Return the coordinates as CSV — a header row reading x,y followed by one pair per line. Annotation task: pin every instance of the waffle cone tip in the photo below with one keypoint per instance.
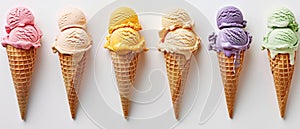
x,y
176,109
73,106
125,113
282,113
73,114
126,116
176,114
230,109
23,116
230,114
22,108
22,102
125,106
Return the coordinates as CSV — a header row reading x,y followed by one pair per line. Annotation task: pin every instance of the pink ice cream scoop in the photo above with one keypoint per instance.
x,y
21,30
20,16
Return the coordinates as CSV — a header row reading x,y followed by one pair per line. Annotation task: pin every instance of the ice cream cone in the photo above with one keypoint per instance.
x,y
282,72
177,70
125,70
72,71
21,64
230,77
178,42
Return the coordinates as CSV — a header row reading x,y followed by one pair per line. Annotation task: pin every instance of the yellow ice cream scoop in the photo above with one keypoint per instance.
x,y
124,17
125,40
124,36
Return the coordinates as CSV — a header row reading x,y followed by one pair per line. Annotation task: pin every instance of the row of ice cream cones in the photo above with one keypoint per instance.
x,y
178,42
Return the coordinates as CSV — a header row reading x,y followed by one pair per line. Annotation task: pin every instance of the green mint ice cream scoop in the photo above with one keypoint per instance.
x,y
282,38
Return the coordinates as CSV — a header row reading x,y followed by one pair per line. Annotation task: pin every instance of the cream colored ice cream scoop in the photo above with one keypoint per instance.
x,y
73,38
72,41
182,41
177,35
175,19
71,17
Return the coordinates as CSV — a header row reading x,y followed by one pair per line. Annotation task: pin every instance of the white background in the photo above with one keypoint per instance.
x,y
256,105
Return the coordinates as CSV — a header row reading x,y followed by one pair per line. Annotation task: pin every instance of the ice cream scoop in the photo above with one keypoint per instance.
x,y
72,41
282,37
73,38
22,31
124,32
282,40
231,41
23,37
123,17
126,40
177,35
283,18
71,17
232,38
177,18
230,16
19,17
182,41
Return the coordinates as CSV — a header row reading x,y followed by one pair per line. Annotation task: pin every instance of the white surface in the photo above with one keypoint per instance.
x,y
256,105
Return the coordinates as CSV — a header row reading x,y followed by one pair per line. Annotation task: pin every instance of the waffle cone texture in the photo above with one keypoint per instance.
x,y
72,71
230,77
282,72
125,71
177,69
21,64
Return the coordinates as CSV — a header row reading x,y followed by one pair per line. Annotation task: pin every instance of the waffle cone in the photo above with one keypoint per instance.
x,y
177,70
282,72
230,77
21,64
125,70
72,71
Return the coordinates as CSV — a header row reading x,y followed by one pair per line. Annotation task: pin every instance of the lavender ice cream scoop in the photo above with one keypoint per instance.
x,y
230,17
232,38
230,41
